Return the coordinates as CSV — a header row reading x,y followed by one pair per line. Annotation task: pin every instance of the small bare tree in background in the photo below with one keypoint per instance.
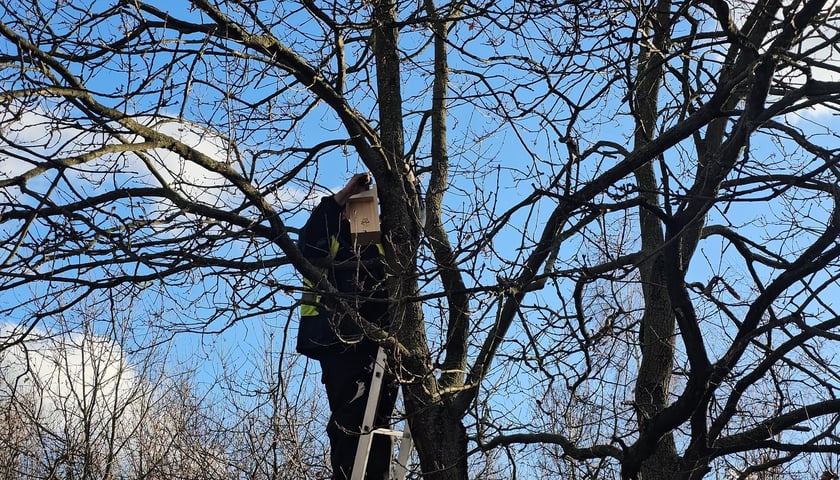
x,y
77,405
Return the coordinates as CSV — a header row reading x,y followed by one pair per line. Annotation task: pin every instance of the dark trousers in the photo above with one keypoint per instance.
x,y
347,377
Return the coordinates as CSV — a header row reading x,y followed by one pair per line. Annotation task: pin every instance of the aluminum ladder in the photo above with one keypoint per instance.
x,y
399,467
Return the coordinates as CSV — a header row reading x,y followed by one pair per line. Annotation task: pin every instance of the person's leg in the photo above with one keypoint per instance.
x,y
382,446
347,381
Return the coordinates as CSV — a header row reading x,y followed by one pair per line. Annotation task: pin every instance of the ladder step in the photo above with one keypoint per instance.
x,y
390,433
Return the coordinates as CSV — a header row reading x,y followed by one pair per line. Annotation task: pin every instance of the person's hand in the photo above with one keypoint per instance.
x,y
409,172
357,184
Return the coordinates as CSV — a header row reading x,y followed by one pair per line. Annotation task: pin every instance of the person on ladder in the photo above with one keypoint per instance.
x,y
345,355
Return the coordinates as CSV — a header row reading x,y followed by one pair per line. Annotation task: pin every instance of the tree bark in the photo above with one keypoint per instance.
x,y
657,327
437,428
441,439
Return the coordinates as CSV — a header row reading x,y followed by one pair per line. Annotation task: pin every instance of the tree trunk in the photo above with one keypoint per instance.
x,y
441,440
657,328
439,435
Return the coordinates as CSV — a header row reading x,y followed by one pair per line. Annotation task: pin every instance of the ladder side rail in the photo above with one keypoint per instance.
x,y
406,444
366,437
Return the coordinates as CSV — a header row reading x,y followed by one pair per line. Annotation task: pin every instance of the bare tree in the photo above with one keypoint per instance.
x,y
76,405
624,259
274,418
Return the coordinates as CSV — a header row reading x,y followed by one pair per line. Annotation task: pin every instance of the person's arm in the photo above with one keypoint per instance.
x,y
357,184
325,220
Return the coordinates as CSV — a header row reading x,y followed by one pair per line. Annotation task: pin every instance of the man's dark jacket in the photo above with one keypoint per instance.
x,y
357,271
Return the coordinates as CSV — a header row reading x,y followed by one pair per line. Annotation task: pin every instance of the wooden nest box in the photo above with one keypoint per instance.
x,y
362,210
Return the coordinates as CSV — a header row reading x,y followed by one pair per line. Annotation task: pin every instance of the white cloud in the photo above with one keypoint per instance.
x,y
41,138
33,136
74,391
190,179
66,380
